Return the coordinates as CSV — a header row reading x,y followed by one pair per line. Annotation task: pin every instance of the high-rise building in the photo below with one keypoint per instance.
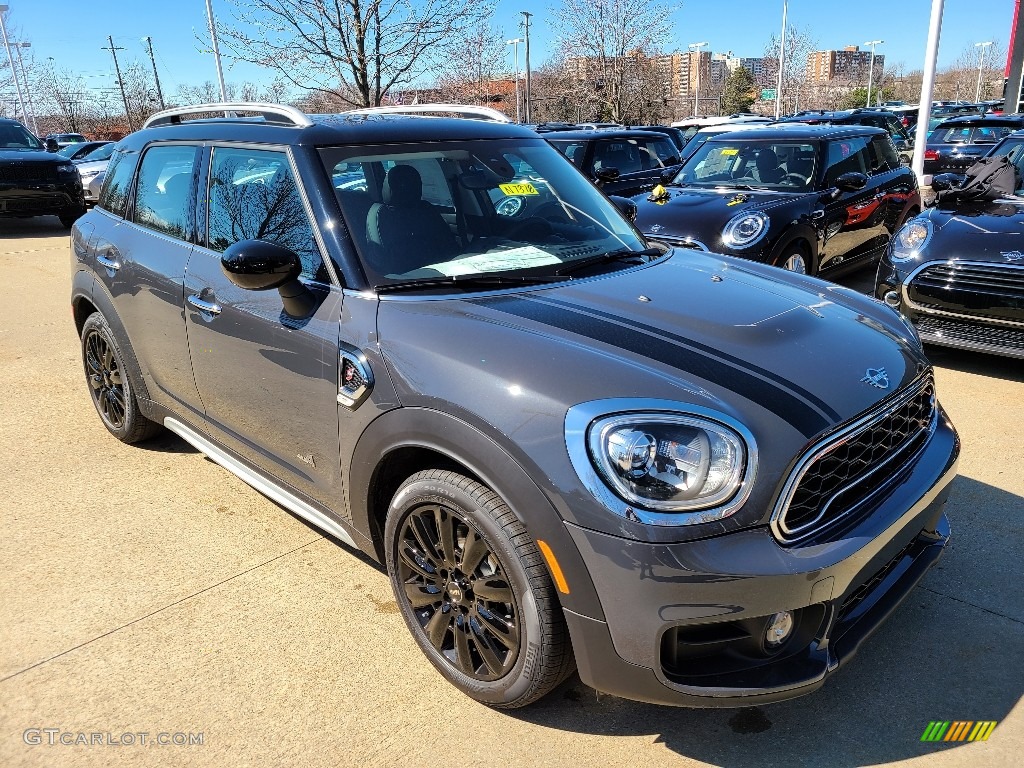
x,y
849,65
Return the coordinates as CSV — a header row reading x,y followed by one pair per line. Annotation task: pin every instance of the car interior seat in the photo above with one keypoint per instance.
x,y
404,232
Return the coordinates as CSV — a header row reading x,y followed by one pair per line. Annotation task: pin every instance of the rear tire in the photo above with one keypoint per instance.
x,y
110,384
474,591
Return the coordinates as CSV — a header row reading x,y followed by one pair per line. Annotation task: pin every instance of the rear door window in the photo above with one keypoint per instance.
x,y
164,200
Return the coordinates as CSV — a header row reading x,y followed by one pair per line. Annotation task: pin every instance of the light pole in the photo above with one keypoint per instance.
x,y
526,101
981,66
696,90
782,60
28,91
7,45
515,55
871,67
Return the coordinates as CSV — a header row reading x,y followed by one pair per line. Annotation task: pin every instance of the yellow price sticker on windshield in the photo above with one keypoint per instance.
x,y
519,189
730,151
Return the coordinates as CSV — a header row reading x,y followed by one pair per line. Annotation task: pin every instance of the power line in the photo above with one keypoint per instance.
x,y
113,52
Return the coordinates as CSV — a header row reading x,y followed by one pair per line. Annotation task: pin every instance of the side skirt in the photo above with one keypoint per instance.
x,y
265,486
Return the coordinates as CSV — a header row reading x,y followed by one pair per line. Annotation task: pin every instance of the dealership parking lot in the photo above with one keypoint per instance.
x,y
147,591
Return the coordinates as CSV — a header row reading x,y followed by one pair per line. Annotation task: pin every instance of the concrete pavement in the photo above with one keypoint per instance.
x,y
146,591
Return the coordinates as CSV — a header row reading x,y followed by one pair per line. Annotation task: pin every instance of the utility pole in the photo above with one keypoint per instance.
x,y
526,16
7,45
695,48
927,83
113,52
871,66
782,60
981,66
28,91
216,50
515,54
156,75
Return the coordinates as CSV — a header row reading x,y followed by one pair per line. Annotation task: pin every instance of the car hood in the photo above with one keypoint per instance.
x,y
700,213
982,231
92,166
767,346
30,155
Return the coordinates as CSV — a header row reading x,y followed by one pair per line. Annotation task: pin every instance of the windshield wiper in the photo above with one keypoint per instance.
x,y
624,254
466,281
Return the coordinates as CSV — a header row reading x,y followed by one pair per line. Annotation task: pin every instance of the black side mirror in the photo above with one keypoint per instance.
x,y
943,181
607,174
667,174
52,145
853,181
257,265
626,206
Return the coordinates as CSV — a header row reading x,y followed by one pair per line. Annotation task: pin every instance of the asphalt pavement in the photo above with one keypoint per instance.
x,y
147,596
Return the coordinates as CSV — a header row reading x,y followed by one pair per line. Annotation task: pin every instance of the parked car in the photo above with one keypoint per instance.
x,y
63,139
696,140
34,182
76,152
676,134
700,480
818,199
957,271
691,126
621,162
879,118
955,144
91,167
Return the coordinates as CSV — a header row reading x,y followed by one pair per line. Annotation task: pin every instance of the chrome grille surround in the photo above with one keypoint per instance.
x,y
908,417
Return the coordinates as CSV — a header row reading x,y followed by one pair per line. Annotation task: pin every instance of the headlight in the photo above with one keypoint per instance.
x,y
86,175
66,168
668,463
911,240
746,229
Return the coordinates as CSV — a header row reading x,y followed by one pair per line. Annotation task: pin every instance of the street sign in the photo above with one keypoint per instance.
x,y
767,94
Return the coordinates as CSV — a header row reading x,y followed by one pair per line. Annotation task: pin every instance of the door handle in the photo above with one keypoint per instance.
x,y
109,262
204,306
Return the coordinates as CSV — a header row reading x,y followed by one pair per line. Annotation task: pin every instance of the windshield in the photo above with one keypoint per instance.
x,y
473,208
100,153
786,165
14,136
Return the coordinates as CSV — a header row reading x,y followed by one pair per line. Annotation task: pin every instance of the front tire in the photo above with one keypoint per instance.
x,y
68,218
110,385
474,591
795,258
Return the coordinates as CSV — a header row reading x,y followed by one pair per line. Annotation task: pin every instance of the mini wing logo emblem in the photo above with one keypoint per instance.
x,y
876,377
656,228
1012,255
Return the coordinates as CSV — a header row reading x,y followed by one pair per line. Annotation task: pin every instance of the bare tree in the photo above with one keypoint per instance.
x,y
607,45
64,93
800,44
351,51
475,64
960,79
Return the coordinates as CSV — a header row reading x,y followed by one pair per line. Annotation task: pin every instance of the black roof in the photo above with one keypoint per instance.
x,y
783,131
330,130
996,120
605,133
841,114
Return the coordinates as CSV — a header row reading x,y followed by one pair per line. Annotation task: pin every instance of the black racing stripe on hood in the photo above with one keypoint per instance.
x,y
768,395
796,389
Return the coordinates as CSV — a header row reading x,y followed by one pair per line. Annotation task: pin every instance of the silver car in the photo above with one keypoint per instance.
x,y
91,169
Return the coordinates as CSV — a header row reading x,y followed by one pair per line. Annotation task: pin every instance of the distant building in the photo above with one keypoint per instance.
x,y
849,65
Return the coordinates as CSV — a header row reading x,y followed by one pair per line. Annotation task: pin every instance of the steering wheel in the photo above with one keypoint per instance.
x,y
795,179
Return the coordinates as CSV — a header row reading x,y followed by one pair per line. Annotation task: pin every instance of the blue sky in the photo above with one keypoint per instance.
x,y
73,32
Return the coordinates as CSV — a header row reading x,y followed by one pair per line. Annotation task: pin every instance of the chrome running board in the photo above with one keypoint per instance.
x,y
249,476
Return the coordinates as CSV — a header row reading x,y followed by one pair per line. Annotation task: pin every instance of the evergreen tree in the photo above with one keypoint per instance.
x,y
740,91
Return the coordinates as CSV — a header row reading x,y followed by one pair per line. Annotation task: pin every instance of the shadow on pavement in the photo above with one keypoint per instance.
x,y
37,226
947,653
994,366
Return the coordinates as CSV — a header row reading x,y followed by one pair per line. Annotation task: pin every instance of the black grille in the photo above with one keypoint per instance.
x,y
962,333
857,596
846,473
988,289
28,171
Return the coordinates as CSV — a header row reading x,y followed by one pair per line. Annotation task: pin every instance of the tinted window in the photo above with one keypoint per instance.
x,y
14,136
883,155
253,196
624,155
114,194
163,193
846,156
576,151
100,153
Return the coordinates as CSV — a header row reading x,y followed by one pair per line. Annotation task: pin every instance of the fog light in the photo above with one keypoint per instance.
x,y
779,629
892,299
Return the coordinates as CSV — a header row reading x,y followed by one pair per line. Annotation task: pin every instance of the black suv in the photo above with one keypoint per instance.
x,y
956,144
34,182
878,118
620,161
700,480
812,199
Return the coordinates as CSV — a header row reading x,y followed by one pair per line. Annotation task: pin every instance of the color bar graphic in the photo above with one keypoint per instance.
x,y
959,730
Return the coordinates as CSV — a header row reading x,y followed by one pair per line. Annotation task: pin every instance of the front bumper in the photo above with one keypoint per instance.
x,y
840,591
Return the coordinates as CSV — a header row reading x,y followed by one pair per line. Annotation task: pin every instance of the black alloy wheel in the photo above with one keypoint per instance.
x,y
474,591
110,384
458,590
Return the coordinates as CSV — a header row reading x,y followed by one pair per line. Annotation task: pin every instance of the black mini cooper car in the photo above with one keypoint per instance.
x,y
810,199
700,480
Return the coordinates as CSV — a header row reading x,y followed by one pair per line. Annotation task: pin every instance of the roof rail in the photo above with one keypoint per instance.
x,y
279,114
470,111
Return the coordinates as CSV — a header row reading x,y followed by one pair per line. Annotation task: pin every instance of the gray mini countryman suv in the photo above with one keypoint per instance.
x,y
698,480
